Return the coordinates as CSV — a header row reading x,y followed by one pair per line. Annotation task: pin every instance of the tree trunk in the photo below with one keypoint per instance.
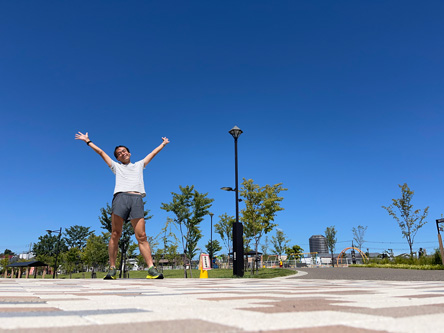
x,y
191,267
184,265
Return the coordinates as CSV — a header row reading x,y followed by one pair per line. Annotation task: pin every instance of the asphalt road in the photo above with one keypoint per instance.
x,y
364,273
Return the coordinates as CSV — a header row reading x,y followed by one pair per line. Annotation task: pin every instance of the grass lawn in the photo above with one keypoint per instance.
x,y
263,273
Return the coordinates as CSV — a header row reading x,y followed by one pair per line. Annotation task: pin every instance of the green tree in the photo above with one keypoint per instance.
x,y
169,242
131,254
154,243
95,253
409,220
261,207
436,257
127,232
247,239
140,260
8,252
173,256
156,253
279,243
48,247
225,229
71,259
76,236
189,207
264,248
132,248
358,235
330,239
170,245
212,248
4,262
295,250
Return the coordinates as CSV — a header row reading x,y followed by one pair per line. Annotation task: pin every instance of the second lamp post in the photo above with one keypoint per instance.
x,y
211,241
57,250
238,241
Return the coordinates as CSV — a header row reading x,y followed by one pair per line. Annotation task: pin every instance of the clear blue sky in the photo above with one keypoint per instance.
x,y
340,101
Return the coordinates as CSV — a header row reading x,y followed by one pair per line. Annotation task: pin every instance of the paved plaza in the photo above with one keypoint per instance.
x,y
293,304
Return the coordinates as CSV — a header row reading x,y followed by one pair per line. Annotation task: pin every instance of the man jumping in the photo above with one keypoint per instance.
x,y
127,202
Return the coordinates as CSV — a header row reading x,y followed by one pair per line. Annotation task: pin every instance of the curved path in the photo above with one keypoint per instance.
x,y
367,273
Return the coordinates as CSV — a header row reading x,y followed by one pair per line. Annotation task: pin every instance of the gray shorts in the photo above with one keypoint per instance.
x,y
128,206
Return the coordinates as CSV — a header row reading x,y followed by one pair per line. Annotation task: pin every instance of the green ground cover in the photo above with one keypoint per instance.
x,y
430,262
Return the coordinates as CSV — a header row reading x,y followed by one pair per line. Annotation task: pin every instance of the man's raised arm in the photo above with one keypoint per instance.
x,y
150,156
85,138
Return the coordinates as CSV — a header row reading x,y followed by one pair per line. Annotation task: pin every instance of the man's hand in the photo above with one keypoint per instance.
x,y
150,156
83,137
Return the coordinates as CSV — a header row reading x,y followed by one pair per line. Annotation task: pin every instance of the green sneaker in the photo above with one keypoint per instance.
x,y
112,274
153,273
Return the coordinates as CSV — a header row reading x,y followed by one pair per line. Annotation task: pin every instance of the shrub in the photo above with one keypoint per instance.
x,y
425,262
436,258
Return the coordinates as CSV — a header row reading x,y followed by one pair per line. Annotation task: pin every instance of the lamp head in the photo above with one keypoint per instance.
x,y
235,132
227,189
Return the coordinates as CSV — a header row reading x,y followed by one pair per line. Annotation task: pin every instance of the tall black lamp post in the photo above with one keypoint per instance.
x,y
57,249
353,254
440,228
238,241
211,241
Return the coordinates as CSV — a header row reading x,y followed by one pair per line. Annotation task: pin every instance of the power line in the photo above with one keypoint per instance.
x,y
374,242
376,248
428,242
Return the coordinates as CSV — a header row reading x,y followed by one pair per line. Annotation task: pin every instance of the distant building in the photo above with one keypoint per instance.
x,y
318,244
26,256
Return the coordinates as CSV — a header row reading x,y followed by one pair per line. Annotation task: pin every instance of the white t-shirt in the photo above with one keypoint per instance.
x,y
129,177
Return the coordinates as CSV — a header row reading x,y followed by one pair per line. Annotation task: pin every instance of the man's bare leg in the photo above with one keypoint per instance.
x,y
116,232
113,246
144,246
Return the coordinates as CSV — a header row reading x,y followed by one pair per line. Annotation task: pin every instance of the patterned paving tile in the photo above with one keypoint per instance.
x,y
43,312
324,329
423,296
401,311
25,310
20,299
298,305
220,305
192,326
